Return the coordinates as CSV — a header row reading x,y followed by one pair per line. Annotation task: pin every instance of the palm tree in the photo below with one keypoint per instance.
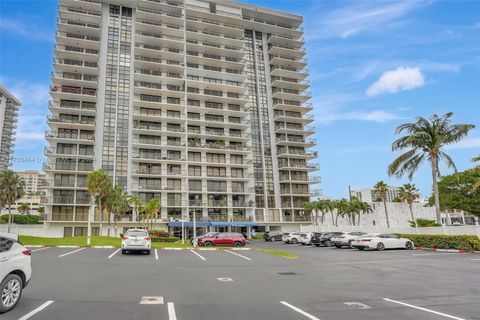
x,y
477,168
409,193
24,208
151,209
99,185
11,189
309,207
358,207
136,202
342,207
425,140
381,188
117,203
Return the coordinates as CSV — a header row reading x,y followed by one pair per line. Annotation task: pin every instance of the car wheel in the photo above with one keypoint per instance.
x,y
350,244
148,252
294,241
380,246
208,244
317,245
124,251
361,248
338,246
409,245
328,243
237,244
10,292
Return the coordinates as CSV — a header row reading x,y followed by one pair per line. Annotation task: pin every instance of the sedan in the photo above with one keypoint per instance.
x,y
324,239
346,238
136,240
306,238
15,270
382,241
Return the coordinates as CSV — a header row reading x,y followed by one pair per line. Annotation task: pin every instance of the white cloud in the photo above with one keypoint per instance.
x,y
400,79
32,29
347,33
328,117
467,143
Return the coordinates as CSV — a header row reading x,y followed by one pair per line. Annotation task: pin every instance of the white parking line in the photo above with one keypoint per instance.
x,y
110,256
198,254
308,315
432,254
34,311
40,249
171,311
246,258
475,259
66,254
424,309
156,254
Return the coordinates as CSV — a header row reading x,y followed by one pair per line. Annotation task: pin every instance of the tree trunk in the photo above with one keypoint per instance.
x,y
435,190
9,218
115,223
333,222
359,219
101,216
336,219
386,212
411,214
323,218
109,223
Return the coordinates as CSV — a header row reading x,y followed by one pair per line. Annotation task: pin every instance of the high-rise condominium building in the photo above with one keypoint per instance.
x,y
199,103
9,106
34,182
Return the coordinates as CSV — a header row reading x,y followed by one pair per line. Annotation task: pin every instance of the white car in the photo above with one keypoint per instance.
x,y
136,240
382,241
306,238
346,238
15,270
292,237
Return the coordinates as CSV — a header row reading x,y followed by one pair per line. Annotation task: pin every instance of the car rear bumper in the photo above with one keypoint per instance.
x,y
133,248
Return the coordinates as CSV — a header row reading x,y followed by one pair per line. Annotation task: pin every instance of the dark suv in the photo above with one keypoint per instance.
x,y
227,239
273,236
324,239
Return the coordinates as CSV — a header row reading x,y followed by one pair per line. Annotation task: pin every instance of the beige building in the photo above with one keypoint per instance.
x,y
369,194
200,103
9,106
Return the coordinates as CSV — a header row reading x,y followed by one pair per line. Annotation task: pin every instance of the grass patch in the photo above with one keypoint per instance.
x,y
96,241
283,254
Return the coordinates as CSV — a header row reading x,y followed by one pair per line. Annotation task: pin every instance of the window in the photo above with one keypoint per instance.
x,y
194,170
216,172
216,158
195,156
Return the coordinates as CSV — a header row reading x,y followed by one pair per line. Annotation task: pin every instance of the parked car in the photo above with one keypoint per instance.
x,y
273,236
229,239
15,270
306,238
136,240
324,239
206,235
345,239
382,241
292,237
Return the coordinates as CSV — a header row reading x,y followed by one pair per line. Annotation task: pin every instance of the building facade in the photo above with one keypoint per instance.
x,y
369,194
200,103
9,106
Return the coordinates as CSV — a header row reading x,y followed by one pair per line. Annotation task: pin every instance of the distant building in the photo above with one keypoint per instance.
x,y
369,194
8,123
35,182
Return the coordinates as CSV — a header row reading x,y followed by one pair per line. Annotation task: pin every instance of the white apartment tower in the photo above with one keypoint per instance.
x,y
9,106
199,103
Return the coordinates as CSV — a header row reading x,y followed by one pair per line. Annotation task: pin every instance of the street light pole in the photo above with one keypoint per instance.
x,y
89,226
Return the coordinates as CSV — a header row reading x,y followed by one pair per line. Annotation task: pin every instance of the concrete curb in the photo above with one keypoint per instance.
x,y
102,247
445,250
35,246
67,246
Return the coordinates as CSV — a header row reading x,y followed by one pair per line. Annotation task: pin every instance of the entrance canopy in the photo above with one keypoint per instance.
x,y
189,224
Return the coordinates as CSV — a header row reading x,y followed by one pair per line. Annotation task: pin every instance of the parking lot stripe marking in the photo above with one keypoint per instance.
x,y
171,311
40,249
246,258
424,309
475,259
308,315
198,255
110,256
433,254
66,254
34,311
156,254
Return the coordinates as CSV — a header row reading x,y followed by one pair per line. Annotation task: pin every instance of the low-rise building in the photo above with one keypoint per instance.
x,y
370,195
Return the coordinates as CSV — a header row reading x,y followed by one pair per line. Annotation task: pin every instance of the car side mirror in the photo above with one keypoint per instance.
x,y
121,235
216,237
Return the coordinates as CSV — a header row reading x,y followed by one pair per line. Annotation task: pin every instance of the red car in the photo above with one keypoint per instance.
x,y
227,239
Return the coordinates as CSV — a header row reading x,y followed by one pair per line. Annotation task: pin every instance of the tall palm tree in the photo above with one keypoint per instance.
x,y
425,140
477,168
151,209
117,203
24,208
135,201
99,185
309,207
342,207
381,188
409,193
11,189
358,208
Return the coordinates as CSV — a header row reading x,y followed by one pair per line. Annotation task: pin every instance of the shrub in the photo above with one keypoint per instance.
x,y
424,223
21,219
459,242
164,239
159,233
258,236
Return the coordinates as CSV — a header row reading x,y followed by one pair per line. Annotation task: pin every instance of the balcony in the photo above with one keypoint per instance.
x,y
72,123
82,138
288,72
288,105
70,153
81,108
295,141
298,154
73,93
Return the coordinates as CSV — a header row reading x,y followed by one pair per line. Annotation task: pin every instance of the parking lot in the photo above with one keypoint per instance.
x,y
323,283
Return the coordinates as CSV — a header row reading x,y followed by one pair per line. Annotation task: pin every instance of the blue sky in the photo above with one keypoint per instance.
x,y
373,65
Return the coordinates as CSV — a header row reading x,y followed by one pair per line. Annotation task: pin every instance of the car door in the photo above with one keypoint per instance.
x,y
388,241
396,241
9,254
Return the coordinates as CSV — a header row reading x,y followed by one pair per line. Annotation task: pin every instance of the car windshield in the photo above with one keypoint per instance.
x,y
137,233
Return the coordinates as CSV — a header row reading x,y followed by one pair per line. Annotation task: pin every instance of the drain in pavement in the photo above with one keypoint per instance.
x,y
151,300
286,273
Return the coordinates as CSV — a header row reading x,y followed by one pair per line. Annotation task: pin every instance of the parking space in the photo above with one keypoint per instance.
x,y
323,283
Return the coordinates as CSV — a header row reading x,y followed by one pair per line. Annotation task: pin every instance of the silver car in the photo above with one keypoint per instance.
x,y
136,240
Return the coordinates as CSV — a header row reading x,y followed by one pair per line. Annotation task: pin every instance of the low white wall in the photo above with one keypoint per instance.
x,y
37,230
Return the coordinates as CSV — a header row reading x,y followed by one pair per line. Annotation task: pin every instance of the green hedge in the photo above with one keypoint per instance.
x,y
21,219
460,242
164,239
159,233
